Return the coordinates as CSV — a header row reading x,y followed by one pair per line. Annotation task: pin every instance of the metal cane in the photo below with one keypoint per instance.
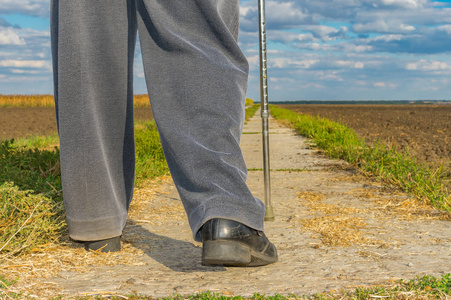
x,y
269,214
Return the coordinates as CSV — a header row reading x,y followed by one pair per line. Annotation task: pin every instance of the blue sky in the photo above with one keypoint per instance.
x,y
317,50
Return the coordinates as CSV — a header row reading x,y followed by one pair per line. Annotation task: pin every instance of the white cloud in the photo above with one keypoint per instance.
x,y
18,71
25,63
284,12
428,65
287,62
359,65
39,8
328,76
287,37
384,85
411,66
326,33
9,36
350,64
445,28
332,49
279,15
404,3
383,26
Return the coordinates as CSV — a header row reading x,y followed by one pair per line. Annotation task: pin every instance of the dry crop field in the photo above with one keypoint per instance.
x,y
16,122
423,130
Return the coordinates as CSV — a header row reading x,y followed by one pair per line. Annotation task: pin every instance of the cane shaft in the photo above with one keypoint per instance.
x,y
269,215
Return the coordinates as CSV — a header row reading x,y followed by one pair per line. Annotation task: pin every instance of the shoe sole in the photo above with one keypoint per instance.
x,y
108,245
234,254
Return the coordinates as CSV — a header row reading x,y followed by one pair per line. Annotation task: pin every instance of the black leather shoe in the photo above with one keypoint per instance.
x,y
229,243
107,245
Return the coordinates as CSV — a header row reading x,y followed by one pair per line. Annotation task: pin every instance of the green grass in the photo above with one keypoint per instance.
x,y
150,161
31,206
38,141
399,169
4,283
250,111
31,168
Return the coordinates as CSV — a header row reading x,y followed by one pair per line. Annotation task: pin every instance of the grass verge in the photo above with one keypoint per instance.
x,y
399,169
250,111
150,161
31,208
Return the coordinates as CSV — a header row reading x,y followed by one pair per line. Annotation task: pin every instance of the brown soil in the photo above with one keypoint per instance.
x,y
423,130
17,122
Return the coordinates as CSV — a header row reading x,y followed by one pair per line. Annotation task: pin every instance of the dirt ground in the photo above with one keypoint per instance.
x,y
424,130
16,122
334,230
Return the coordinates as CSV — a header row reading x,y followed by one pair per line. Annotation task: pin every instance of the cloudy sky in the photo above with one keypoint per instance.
x,y
317,50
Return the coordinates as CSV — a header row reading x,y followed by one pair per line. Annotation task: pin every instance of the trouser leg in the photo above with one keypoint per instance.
x,y
197,79
93,45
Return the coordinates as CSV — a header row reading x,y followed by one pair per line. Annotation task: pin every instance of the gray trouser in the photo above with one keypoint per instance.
x,y
197,79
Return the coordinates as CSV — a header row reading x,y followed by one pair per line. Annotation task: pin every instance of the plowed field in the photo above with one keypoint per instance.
x,y
423,130
18,122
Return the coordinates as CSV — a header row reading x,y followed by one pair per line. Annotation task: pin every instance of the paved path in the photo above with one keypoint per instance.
x,y
333,230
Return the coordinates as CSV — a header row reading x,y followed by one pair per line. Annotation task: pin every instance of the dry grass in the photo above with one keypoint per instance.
x,y
337,231
48,101
141,100
336,225
50,260
26,101
410,209
399,205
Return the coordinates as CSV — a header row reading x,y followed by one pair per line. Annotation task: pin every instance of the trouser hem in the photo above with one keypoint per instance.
x,y
98,229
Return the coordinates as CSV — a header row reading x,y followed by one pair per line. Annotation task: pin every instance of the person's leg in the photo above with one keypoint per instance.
x,y
197,79
93,46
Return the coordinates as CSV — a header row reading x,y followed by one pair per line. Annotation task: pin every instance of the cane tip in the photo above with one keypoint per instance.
x,y
269,214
